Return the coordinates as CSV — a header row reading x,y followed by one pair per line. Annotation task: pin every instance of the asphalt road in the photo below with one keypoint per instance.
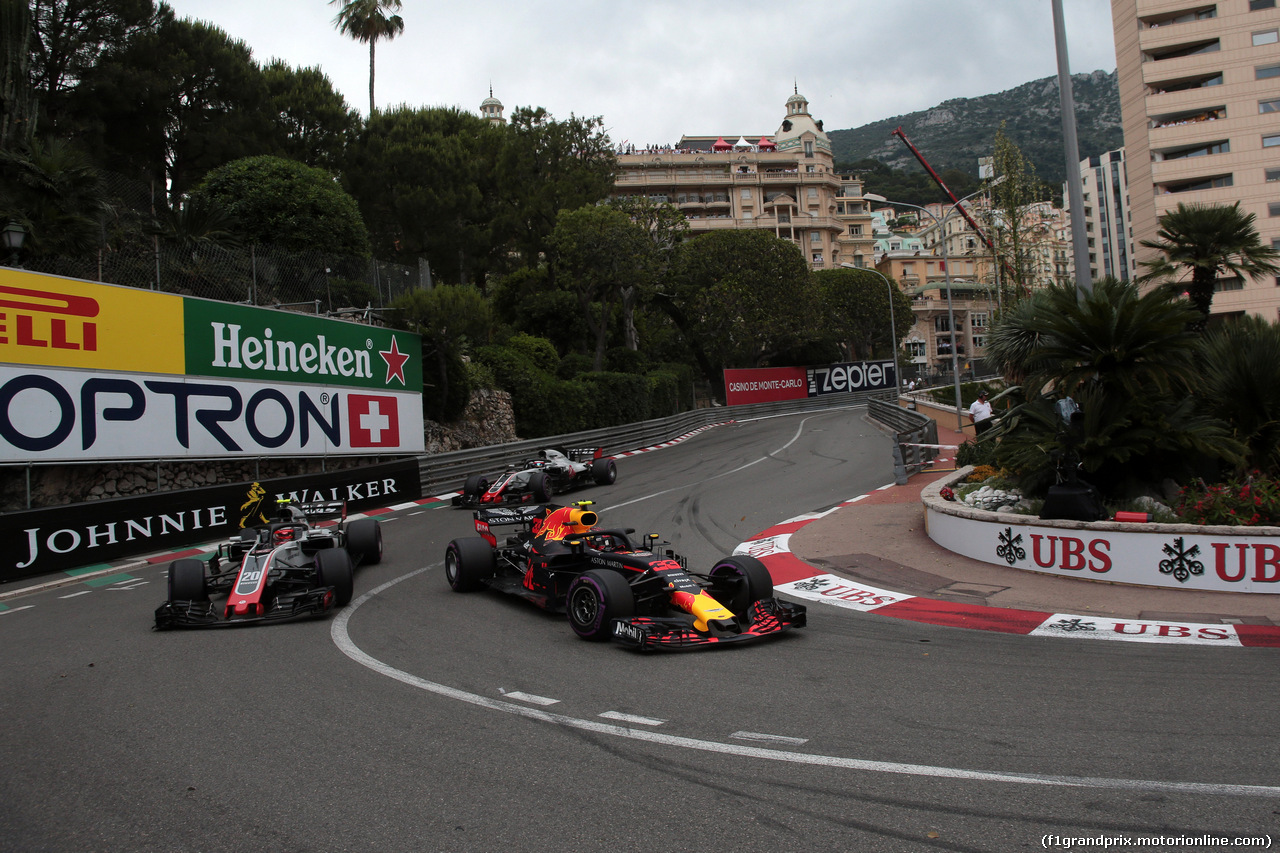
x,y
418,719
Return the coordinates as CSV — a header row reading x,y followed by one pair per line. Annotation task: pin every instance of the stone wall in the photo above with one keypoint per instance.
x,y
487,420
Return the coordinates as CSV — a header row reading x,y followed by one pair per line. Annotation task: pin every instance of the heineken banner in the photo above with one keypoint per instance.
x,y
94,371
41,541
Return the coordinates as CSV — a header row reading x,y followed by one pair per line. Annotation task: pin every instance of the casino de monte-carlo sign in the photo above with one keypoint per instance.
x,y
96,371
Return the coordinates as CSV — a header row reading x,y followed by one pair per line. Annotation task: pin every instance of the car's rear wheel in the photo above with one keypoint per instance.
x,y
186,581
595,599
334,568
739,582
364,539
540,487
468,562
604,472
475,485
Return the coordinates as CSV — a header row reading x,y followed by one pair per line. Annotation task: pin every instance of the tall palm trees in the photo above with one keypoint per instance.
x,y
368,21
1208,240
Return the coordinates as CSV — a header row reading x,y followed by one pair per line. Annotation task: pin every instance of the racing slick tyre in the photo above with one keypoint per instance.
x,y
334,568
364,540
539,486
467,562
595,599
475,486
186,581
744,581
604,472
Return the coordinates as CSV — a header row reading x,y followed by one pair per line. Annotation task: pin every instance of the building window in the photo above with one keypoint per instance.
x,y
1198,184
1226,284
917,349
817,259
815,236
1271,141
1269,106
855,230
978,320
1266,37
1257,5
979,341
1273,209
1222,146
808,143
1266,72
1275,244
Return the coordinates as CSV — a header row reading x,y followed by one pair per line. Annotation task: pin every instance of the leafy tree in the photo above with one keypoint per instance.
x,y
56,194
17,98
451,319
173,102
1018,187
366,21
667,227
600,253
547,166
740,298
288,204
1207,240
1128,361
71,36
857,306
313,123
1241,384
424,179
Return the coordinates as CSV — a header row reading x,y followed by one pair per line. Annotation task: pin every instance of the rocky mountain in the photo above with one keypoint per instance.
x,y
955,133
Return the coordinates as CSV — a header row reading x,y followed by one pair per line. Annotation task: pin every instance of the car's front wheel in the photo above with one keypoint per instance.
x,y
334,568
186,581
595,599
739,582
468,562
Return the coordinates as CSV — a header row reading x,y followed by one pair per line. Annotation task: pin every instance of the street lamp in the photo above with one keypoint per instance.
x,y
13,236
946,271
893,328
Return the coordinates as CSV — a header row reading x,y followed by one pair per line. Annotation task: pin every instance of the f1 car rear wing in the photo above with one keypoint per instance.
x,y
584,454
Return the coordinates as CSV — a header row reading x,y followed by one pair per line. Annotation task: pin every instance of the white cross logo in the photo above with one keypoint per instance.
x,y
374,422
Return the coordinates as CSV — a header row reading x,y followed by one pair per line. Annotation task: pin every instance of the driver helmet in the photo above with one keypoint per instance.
x,y
285,534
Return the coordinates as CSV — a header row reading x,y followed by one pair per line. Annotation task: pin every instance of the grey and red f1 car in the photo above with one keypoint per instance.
x,y
613,586
287,569
553,471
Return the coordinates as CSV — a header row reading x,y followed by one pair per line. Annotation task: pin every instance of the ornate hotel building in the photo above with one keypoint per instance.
x,y
785,183
1200,100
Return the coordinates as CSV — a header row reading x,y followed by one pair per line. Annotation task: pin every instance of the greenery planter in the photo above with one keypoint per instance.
x,y
1214,558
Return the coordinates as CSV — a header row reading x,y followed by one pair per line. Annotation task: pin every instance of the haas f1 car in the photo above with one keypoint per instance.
x,y
536,480
284,570
614,587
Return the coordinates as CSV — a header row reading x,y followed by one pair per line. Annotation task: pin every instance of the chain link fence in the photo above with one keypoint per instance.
x,y
131,253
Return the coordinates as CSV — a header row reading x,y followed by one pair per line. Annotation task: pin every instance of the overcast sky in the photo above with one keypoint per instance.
x,y
657,69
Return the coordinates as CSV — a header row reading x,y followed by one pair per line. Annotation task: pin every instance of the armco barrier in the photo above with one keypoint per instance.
x,y
447,471
914,429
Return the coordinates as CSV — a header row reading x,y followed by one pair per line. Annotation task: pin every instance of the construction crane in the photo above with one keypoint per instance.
x,y
982,235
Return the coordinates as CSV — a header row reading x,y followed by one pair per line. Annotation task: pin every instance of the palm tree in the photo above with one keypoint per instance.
x,y
1208,240
368,21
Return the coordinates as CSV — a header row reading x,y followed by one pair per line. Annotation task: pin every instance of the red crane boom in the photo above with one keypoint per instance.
x,y
982,235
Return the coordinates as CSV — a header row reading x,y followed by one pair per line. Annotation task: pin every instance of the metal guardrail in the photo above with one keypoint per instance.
x,y
447,471
913,429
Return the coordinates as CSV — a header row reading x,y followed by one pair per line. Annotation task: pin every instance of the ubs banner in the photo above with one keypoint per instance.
x,y
770,384
42,541
95,371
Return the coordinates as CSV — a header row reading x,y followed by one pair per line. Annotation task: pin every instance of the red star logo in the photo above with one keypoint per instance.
x,y
395,361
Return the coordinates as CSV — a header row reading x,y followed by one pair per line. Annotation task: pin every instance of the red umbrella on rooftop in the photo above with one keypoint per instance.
x,y
721,145
766,144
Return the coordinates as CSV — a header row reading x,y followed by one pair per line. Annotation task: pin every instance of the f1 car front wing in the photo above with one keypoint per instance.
x,y
767,617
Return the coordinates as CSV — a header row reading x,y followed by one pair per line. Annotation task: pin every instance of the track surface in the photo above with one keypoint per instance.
x,y
418,719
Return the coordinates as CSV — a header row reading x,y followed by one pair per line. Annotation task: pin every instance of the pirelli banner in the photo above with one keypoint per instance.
x,y
771,384
95,371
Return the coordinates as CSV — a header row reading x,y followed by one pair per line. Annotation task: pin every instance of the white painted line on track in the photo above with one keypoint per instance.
x,y
132,585
528,697
342,639
764,738
16,609
75,594
631,718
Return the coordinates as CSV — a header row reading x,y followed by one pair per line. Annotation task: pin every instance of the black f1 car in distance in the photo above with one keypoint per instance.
x,y
551,472
285,570
612,586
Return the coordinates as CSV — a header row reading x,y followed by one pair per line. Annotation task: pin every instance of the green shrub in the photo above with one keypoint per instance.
x,y
664,394
974,452
1251,500
620,398
623,360
573,364
540,351
480,376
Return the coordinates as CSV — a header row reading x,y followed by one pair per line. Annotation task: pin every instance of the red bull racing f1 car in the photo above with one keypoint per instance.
x,y
536,480
613,586
285,570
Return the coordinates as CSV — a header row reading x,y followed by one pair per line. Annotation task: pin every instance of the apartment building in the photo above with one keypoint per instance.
x,y
1200,100
1106,216
784,182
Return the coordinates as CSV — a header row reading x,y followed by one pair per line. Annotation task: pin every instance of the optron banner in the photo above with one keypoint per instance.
x,y
63,415
96,371
764,385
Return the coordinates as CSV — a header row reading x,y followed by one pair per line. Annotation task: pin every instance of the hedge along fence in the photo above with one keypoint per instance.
x,y
548,404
